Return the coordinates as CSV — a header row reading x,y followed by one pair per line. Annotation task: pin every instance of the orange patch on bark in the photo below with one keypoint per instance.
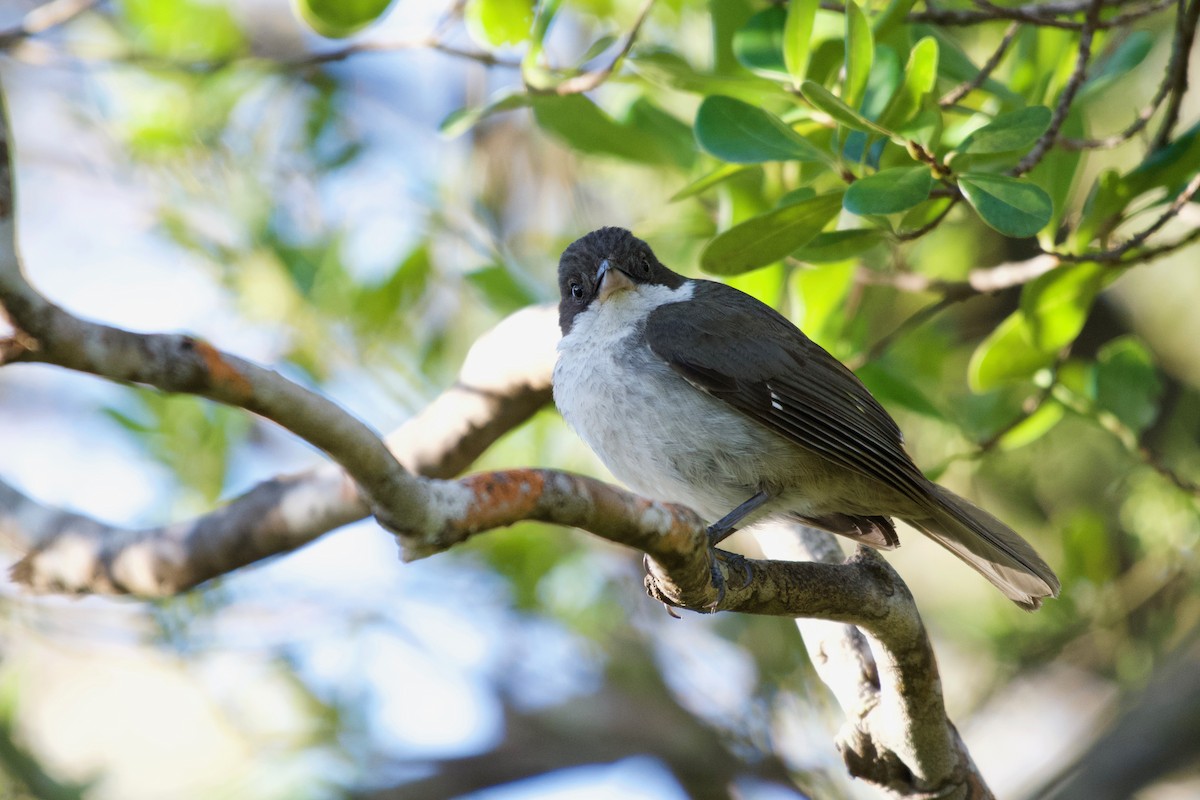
x,y
219,370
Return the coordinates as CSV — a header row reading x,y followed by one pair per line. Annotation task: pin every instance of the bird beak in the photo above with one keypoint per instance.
x,y
611,279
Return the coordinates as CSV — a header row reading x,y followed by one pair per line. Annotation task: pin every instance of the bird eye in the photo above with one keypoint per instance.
x,y
576,290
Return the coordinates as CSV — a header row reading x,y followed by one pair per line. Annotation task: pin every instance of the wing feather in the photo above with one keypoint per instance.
x,y
782,380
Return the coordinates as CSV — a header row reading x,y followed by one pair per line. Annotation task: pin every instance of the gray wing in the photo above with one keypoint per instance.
x,y
783,380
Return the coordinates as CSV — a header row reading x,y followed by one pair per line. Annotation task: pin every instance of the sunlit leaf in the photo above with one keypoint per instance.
x,y
334,19
797,37
1007,354
1033,427
186,29
495,23
818,295
769,237
860,49
824,100
920,76
1056,304
1053,309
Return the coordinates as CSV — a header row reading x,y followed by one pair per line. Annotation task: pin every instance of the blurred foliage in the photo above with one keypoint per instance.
x,y
851,168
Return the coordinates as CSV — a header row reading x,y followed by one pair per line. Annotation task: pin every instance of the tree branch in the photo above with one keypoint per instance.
x,y
495,392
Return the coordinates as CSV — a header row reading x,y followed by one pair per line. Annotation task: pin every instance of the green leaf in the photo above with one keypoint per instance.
x,y
1007,354
824,100
496,23
670,71
1053,309
662,132
462,120
860,49
1171,166
744,134
583,126
769,237
502,290
1033,427
377,305
920,76
1056,304
759,45
831,246
1008,132
188,30
1128,385
1013,207
797,36
706,182
796,195
818,297
889,191
955,65
893,387
1115,65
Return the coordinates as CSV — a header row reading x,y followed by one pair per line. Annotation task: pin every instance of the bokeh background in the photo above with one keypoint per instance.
x,y
186,165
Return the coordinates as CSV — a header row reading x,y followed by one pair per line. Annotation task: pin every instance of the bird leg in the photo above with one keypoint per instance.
x,y
726,525
721,530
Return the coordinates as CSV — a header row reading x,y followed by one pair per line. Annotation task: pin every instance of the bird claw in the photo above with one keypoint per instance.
x,y
736,562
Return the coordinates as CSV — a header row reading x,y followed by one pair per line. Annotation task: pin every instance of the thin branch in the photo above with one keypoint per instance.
x,y
1179,52
966,87
1047,15
979,281
1185,34
431,42
917,233
1078,75
587,81
1116,255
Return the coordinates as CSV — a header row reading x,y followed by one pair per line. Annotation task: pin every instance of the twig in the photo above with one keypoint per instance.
x,y
1032,15
587,81
966,87
1185,34
979,281
1115,255
1042,145
906,236
431,42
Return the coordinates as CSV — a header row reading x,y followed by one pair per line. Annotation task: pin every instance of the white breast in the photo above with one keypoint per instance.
x,y
655,432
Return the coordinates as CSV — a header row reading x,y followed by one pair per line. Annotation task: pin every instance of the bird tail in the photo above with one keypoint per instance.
x,y
990,547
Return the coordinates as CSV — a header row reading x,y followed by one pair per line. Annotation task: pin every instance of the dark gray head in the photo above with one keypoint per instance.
x,y
594,266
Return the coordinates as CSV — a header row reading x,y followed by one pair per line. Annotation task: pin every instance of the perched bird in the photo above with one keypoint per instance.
x,y
693,392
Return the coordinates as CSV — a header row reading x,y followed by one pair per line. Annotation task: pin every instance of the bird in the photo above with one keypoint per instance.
x,y
693,392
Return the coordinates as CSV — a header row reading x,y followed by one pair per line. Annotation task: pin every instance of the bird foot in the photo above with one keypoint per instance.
x,y
735,562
